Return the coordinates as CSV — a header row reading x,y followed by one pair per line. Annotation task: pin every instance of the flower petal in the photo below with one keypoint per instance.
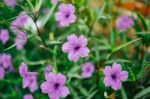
x,y
64,91
61,78
73,56
107,71
116,67
51,77
116,85
83,40
83,52
45,87
72,38
23,69
124,75
2,73
66,47
107,81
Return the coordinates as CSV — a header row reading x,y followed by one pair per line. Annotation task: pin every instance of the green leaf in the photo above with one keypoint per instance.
x,y
124,96
38,5
12,46
112,39
126,44
47,17
143,21
53,42
118,60
142,93
31,5
92,94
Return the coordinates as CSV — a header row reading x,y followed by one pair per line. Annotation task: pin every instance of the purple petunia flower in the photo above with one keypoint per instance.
x,y
54,86
28,96
54,1
87,69
114,76
46,10
10,3
19,22
5,64
76,47
21,40
6,61
124,22
48,69
2,72
66,15
29,78
4,36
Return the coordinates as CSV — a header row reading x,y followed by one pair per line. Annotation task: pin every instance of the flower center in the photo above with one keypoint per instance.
x,y
67,15
113,76
77,48
88,70
56,86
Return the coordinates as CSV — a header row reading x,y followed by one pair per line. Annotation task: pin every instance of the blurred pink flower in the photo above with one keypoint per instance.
x,y
4,36
2,72
46,10
114,76
28,96
5,60
48,69
76,47
5,64
66,15
87,69
124,22
21,40
19,22
10,3
29,78
54,86
54,1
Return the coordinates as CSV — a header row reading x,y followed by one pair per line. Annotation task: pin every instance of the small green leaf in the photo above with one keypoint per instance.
x,y
12,46
38,5
126,44
112,39
92,94
47,17
142,93
143,21
124,96
31,5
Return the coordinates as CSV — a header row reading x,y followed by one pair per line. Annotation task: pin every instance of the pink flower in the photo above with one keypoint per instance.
x,y
28,96
87,69
124,22
5,60
114,76
48,69
54,1
66,15
10,3
76,47
21,40
4,36
19,22
29,78
2,72
54,86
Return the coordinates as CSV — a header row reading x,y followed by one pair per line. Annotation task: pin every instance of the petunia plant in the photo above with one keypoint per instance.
x,y
74,49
